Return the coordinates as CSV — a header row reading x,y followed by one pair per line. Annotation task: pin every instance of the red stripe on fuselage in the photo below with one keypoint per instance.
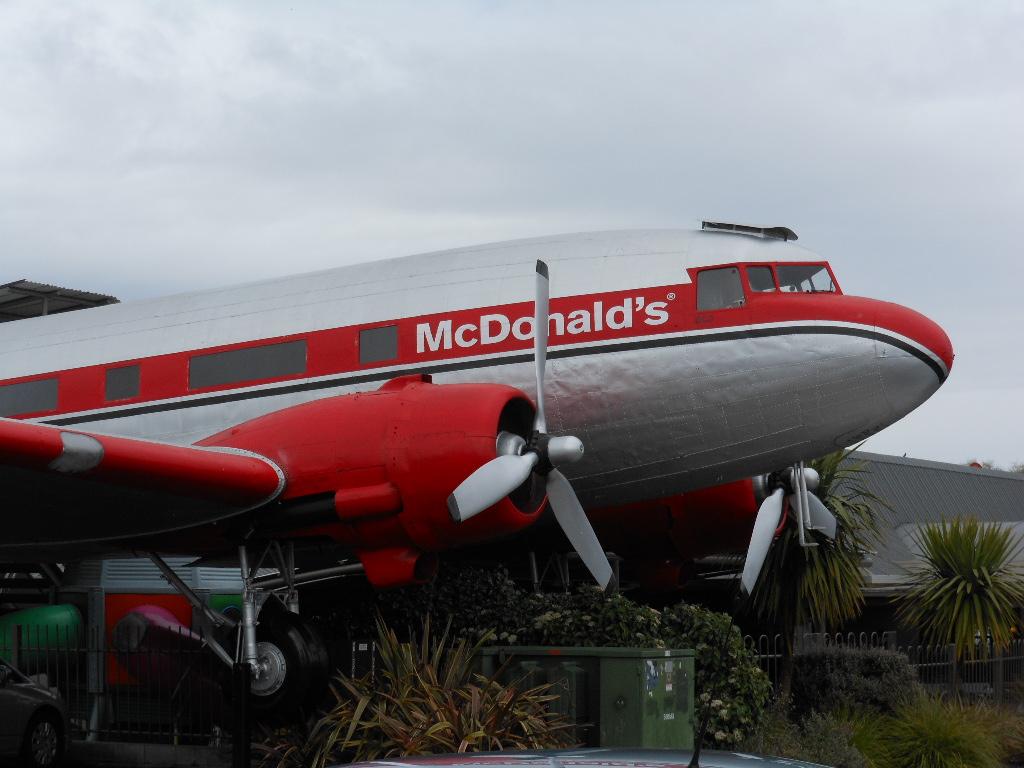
x,y
585,319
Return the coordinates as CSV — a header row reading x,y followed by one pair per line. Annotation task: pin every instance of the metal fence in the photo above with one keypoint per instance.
x,y
167,689
993,674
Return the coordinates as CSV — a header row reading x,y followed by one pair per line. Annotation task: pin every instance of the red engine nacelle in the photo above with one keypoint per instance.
x,y
391,458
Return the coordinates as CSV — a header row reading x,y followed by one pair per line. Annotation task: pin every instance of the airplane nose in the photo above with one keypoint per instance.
x,y
914,356
904,329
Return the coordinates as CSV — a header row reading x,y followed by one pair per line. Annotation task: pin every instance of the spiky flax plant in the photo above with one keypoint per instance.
x,y
967,586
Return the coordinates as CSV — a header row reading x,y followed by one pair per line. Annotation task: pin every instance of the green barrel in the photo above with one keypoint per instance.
x,y
43,629
222,603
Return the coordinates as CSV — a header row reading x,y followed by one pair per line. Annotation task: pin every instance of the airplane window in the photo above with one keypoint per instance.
x,y
760,279
28,397
251,364
805,278
719,288
376,344
122,382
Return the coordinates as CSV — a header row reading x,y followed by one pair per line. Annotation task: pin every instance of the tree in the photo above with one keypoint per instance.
x,y
967,585
823,585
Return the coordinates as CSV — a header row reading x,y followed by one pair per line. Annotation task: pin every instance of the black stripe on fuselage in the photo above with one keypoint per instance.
x,y
525,357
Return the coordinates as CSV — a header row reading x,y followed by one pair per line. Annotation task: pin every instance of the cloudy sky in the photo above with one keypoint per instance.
x,y
150,148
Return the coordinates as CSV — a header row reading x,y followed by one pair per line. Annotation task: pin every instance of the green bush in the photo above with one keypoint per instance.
x,y
931,733
475,602
837,678
818,738
728,678
589,617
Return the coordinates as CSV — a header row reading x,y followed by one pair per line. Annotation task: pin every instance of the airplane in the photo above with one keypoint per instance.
x,y
401,408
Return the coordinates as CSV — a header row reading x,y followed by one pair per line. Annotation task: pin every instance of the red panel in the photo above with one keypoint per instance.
x,y
116,607
397,566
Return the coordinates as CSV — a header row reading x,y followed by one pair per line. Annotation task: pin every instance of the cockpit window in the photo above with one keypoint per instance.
x,y
760,279
805,278
719,289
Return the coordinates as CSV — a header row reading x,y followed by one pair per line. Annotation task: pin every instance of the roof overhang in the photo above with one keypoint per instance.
x,y
24,299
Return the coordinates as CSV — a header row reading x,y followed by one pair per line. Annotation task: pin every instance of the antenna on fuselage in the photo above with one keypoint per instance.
x,y
769,233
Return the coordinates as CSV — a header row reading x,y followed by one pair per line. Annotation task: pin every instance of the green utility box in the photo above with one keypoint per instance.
x,y
617,697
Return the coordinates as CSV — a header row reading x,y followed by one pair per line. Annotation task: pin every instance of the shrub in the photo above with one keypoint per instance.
x,y
931,733
287,747
1012,730
819,738
728,678
837,678
481,602
426,699
868,735
474,602
589,617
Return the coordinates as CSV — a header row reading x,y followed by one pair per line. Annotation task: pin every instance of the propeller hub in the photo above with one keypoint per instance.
x,y
509,444
554,451
811,478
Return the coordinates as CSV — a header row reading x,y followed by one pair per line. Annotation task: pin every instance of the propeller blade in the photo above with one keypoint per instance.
x,y
490,484
540,342
822,518
765,523
574,523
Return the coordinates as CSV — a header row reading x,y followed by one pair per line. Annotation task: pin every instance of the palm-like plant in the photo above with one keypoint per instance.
x,y
823,585
427,698
967,585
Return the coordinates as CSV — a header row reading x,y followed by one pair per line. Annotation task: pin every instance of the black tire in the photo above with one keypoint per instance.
x,y
292,638
43,743
320,663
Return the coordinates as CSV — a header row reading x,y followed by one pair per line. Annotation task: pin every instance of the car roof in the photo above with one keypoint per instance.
x,y
582,758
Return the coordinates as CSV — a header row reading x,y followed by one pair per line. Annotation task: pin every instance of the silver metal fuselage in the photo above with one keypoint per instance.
x,y
659,412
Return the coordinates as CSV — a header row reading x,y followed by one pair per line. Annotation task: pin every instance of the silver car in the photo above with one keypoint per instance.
x,y
33,720
588,758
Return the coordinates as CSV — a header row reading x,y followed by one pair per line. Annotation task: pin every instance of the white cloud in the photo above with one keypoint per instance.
x,y
151,147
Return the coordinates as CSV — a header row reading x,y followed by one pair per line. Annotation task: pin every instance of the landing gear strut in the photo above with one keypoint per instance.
x,y
287,659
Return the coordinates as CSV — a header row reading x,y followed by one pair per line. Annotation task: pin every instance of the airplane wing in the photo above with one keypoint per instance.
x,y
69,488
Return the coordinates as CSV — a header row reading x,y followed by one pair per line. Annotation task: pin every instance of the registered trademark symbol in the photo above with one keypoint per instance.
x,y
671,296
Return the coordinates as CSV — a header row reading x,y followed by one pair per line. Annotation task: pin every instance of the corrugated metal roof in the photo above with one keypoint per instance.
x,y
23,299
920,492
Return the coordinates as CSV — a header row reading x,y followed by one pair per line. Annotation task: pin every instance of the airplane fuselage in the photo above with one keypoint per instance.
x,y
667,391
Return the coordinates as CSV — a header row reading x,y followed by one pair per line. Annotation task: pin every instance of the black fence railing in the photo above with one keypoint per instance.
x,y
991,674
166,689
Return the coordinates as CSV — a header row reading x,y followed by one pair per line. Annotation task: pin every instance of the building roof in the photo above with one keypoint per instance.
x,y
23,299
919,492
